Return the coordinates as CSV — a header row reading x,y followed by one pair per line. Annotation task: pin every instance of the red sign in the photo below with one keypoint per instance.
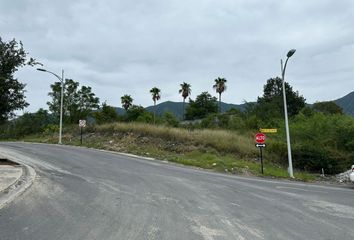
x,y
260,138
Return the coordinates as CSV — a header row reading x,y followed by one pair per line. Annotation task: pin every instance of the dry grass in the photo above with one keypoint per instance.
x,y
220,140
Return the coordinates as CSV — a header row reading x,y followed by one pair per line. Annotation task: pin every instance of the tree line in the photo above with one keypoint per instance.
x,y
203,105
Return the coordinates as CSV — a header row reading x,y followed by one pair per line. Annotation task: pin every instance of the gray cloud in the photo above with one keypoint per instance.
x,y
120,47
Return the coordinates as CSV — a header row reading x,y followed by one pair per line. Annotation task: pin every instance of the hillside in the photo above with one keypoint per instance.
x,y
218,150
347,103
174,107
177,108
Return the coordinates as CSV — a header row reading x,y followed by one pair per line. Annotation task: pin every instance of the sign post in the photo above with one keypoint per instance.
x,y
260,143
260,149
82,124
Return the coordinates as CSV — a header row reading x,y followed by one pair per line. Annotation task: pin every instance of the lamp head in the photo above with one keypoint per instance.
x,y
41,69
291,52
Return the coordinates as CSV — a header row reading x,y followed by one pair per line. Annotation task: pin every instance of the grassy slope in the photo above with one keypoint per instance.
x,y
217,150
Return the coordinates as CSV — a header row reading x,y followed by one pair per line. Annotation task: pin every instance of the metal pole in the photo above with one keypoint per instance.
x,y
260,149
290,170
61,106
61,79
81,135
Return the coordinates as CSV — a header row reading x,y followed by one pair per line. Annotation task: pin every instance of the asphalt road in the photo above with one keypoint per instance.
x,y
87,194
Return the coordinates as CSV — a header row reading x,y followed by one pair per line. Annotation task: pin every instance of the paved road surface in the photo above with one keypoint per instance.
x,y
88,194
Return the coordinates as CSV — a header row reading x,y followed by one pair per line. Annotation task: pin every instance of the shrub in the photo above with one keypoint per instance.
x,y
169,119
28,123
106,114
318,141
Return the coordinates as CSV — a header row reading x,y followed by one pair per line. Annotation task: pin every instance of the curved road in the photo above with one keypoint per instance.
x,y
81,194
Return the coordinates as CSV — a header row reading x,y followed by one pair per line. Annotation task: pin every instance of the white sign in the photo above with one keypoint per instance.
x,y
82,123
260,145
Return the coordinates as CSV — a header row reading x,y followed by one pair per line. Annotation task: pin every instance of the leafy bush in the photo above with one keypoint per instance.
x,y
106,114
169,119
327,107
318,141
313,158
146,117
135,112
203,105
51,129
28,123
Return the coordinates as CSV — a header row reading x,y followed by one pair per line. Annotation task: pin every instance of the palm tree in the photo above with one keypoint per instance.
x,y
185,91
127,102
220,87
156,95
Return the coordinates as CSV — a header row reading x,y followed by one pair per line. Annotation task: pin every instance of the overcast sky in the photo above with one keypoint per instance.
x,y
129,46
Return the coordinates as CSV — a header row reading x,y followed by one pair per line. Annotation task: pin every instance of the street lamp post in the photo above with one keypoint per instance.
x,y
290,170
61,79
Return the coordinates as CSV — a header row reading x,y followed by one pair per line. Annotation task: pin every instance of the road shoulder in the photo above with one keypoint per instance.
x,y
15,178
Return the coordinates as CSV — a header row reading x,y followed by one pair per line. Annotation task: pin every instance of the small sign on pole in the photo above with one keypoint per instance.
x,y
82,124
260,143
260,138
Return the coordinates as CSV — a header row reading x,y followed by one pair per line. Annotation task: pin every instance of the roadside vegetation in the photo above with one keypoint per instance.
x,y
214,149
322,136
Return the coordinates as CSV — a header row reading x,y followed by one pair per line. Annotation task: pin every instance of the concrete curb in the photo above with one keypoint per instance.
x,y
10,183
20,185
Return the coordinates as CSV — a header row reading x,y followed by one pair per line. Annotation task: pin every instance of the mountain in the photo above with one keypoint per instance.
x,y
174,107
120,111
227,106
347,103
177,108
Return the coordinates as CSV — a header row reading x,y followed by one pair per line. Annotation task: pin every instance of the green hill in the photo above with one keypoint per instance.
x,y
347,103
174,107
177,108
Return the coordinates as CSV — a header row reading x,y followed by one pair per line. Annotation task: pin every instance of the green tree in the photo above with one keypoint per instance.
x,y
169,119
138,113
271,105
145,117
106,114
12,92
87,103
77,103
185,91
203,105
329,107
28,123
220,87
127,101
311,150
156,95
